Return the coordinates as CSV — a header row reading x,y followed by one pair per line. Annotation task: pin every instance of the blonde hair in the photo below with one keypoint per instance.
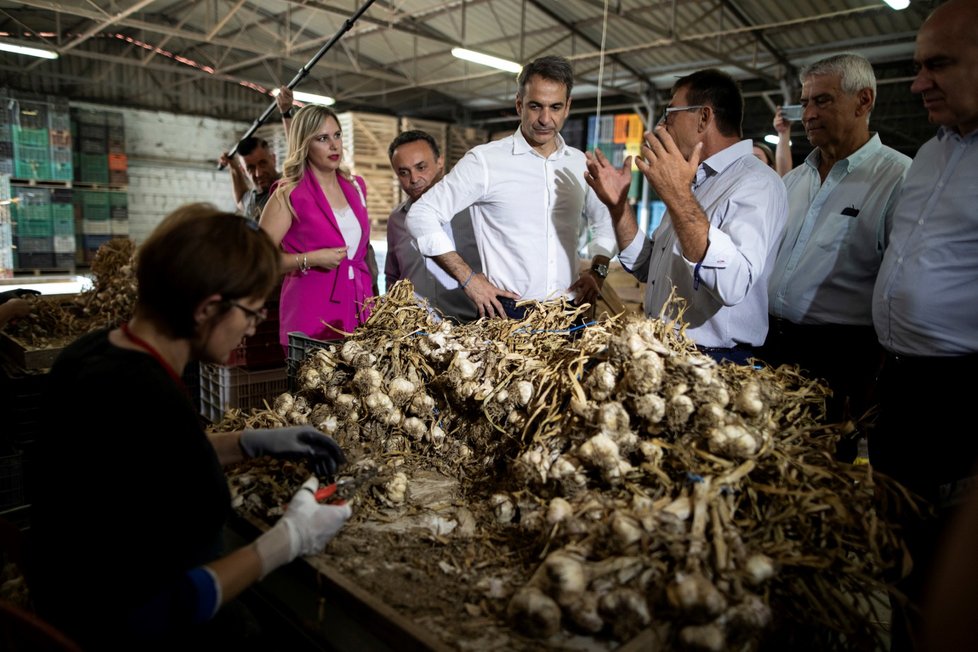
x,y
304,127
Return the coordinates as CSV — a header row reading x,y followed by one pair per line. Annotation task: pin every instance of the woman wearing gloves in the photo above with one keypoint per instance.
x,y
134,508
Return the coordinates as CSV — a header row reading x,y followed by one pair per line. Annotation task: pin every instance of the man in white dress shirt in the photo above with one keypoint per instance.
x,y
840,203
418,164
527,197
725,214
925,311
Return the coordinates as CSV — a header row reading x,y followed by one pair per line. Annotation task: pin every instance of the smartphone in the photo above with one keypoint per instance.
x,y
791,112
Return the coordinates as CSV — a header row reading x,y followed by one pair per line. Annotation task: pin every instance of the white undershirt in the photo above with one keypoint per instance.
x,y
350,228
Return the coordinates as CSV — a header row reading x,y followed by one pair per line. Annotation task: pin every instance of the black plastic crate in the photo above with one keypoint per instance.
x,y
11,478
41,260
300,347
21,403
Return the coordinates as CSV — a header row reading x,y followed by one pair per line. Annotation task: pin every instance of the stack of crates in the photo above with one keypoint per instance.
x,y
63,225
100,147
33,228
6,230
618,136
7,120
255,372
115,138
119,211
91,146
93,222
59,126
35,137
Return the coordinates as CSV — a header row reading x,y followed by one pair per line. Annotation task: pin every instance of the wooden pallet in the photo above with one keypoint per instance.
x,y
437,130
383,191
461,140
367,137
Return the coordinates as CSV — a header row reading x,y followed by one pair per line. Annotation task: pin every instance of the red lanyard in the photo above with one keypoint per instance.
x,y
140,342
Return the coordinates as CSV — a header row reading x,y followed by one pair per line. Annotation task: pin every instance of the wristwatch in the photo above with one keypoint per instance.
x,y
601,271
287,113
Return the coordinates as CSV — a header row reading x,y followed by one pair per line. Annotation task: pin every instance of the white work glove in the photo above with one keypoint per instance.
x,y
305,529
295,442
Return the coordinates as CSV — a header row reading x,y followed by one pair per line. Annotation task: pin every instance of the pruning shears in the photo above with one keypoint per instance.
x,y
338,492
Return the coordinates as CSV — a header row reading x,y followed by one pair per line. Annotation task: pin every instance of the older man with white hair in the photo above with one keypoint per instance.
x,y
840,204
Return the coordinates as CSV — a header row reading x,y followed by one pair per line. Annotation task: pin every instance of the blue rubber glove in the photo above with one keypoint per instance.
x,y
295,442
304,529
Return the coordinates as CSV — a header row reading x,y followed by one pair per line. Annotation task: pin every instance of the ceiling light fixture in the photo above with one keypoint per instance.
x,y
486,60
310,98
898,4
29,51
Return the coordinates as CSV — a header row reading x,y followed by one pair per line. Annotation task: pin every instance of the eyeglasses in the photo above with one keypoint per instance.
x,y
257,316
674,109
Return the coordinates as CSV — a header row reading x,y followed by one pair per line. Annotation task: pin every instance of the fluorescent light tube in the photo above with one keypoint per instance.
x,y
486,60
311,98
31,52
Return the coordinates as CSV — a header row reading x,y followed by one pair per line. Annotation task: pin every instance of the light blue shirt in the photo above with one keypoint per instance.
x,y
526,210
429,279
835,237
926,297
726,293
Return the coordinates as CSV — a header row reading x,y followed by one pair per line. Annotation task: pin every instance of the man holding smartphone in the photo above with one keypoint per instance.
x,y
840,201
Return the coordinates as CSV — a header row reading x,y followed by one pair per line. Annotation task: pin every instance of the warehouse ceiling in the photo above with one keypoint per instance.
x,y
221,57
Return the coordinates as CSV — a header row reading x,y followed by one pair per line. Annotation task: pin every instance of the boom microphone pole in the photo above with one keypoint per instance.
x,y
303,73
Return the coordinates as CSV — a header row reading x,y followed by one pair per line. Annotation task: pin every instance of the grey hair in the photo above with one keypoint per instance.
x,y
855,72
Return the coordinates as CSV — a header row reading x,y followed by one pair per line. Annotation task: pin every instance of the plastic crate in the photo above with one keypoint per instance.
x,y
31,137
63,218
91,146
301,346
119,226
64,260
94,204
64,244
21,402
34,227
223,388
42,260
118,162
33,244
11,479
33,168
261,350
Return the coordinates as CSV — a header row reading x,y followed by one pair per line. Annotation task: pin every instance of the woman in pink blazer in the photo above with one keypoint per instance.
x,y
318,215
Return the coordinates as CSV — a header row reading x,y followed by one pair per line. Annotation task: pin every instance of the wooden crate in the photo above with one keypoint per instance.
x,y
24,355
461,140
366,137
437,130
383,195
